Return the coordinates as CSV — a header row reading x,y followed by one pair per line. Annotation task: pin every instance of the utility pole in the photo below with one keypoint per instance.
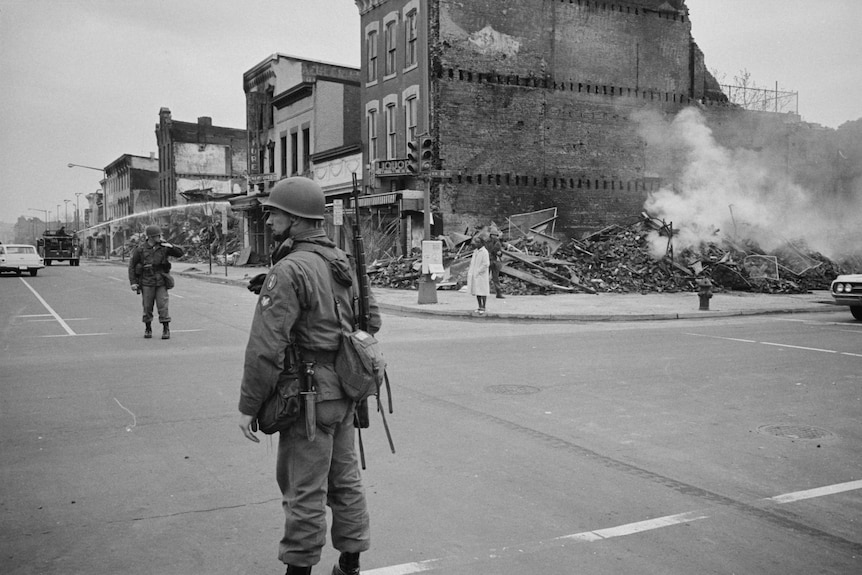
x,y
78,212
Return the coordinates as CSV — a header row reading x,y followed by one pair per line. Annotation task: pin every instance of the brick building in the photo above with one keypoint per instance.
x,y
199,160
130,187
302,119
530,104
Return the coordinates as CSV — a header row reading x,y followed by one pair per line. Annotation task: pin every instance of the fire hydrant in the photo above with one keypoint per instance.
x,y
704,292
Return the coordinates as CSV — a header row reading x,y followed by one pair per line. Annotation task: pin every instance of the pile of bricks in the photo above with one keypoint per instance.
x,y
618,259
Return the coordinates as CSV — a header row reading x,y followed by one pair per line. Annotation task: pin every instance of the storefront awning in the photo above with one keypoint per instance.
x,y
244,203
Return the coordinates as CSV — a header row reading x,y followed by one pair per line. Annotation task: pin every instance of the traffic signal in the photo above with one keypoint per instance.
x,y
413,165
425,153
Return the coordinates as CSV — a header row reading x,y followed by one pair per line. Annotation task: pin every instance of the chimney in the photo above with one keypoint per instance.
x,y
205,121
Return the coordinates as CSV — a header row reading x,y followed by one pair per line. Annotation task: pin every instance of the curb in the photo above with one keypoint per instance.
x,y
462,315
577,318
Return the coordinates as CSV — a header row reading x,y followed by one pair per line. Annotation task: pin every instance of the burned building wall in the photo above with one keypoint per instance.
x,y
532,105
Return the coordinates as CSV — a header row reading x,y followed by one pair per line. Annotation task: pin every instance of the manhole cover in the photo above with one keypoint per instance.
x,y
513,389
795,431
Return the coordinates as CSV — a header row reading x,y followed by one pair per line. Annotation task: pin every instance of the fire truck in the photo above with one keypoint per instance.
x,y
58,246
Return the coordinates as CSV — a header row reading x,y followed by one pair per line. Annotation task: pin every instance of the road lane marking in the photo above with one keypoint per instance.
x,y
719,337
817,492
50,310
629,528
75,334
404,568
799,347
787,345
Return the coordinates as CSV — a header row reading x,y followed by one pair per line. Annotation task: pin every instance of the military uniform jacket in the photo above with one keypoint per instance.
x,y
148,263
296,305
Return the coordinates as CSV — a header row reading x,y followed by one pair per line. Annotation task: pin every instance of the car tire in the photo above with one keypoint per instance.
x,y
33,272
856,310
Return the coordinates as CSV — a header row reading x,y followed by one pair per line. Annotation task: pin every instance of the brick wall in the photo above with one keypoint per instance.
x,y
533,101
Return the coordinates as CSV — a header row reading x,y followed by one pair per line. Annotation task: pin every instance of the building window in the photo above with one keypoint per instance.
x,y
391,42
410,39
283,143
294,153
371,50
372,134
270,151
391,132
411,106
306,149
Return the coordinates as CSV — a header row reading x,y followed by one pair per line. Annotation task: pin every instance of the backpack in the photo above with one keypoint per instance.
x,y
359,361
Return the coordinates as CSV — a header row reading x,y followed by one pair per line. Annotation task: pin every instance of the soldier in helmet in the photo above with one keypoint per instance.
x,y
296,310
149,269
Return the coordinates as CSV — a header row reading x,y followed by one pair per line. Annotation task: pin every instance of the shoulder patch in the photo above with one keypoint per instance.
x,y
271,282
265,302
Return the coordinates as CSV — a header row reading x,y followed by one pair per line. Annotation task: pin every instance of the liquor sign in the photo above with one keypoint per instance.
x,y
395,167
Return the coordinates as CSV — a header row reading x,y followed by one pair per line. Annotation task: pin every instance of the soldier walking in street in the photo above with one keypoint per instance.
x,y
296,317
149,275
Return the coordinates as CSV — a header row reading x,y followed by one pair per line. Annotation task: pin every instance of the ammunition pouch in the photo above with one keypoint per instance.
x,y
282,409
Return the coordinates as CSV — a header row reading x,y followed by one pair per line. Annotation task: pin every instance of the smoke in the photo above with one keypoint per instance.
x,y
737,194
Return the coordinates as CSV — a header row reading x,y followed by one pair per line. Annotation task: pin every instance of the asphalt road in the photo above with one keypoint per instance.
x,y
700,446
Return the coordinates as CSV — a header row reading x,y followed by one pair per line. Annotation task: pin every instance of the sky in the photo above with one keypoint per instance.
x,y
82,81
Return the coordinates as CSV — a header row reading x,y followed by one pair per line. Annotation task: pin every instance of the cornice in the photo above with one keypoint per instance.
x,y
366,6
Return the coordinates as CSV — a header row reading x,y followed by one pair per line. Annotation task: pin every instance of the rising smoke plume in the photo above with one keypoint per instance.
x,y
720,193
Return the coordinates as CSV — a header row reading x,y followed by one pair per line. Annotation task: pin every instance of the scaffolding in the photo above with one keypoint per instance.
x,y
761,99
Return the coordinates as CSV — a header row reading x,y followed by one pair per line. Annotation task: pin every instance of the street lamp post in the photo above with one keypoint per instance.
x,y
44,212
66,217
58,216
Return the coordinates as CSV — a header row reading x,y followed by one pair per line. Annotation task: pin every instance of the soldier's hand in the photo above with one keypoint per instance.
x,y
248,425
135,287
256,283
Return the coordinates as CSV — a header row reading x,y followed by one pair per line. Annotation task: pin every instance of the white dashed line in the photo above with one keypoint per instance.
x,y
818,492
632,528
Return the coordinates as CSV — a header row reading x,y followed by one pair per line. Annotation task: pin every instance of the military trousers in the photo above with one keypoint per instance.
x,y
157,295
314,474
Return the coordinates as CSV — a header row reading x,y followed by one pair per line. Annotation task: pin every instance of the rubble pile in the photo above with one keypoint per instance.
x,y
617,259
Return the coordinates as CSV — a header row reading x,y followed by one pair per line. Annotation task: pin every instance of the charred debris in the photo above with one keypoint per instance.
x,y
617,259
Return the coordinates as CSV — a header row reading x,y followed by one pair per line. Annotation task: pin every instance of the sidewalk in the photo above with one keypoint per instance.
x,y
556,307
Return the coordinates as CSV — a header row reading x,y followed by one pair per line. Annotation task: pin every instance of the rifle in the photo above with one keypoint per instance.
x,y
361,317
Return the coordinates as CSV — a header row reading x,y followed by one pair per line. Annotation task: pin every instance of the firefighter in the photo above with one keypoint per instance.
x,y
149,275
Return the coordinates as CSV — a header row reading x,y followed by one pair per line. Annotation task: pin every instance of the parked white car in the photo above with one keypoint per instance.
x,y
20,258
847,290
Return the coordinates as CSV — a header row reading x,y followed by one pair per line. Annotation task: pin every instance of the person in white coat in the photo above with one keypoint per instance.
x,y
478,278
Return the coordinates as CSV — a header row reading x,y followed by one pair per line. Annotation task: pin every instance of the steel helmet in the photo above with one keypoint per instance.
x,y
154,231
298,196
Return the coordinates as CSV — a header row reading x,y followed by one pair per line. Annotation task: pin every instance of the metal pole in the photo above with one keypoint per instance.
x,y
78,211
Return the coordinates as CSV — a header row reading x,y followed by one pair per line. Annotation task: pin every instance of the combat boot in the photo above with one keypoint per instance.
x,y
294,570
348,564
166,331
148,330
